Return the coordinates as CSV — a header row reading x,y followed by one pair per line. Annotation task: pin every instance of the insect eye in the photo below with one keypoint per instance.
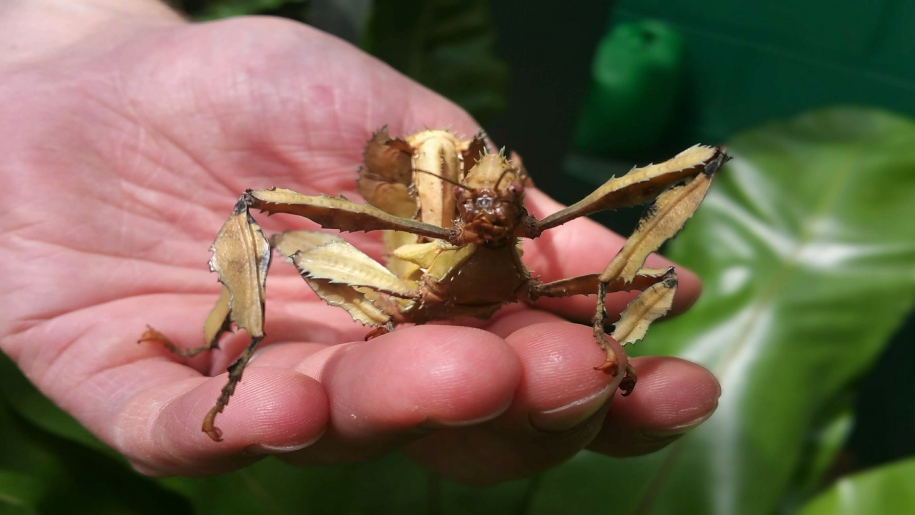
x,y
457,191
516,188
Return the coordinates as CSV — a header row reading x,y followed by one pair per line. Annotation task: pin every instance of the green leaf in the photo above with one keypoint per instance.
x,y
213,9
445,45
19,492
30,404
45,468
806,246
886,490
391,484
822,446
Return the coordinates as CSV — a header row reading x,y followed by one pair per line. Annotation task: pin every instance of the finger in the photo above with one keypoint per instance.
x,y
273,410
581,247
518,316
398,387
672,397
557,409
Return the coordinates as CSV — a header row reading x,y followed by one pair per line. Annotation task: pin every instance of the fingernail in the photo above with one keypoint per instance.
x,y
572,414
433,423
437,423
674,431
261,448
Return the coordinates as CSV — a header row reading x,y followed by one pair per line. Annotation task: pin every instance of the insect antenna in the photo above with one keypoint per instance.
x,y
445,179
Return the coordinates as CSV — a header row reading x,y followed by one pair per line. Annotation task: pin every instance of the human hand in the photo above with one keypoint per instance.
x,y
124,156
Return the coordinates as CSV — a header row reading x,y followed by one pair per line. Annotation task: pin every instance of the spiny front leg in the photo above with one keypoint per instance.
x,y
661,221
241,257
678,187
339,213
637,187
235,371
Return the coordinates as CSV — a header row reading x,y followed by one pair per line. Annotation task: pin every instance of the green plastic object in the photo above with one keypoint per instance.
x,y
634,87
745,62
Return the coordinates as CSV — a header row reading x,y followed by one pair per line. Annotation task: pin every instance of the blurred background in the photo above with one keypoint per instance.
x,y
806,247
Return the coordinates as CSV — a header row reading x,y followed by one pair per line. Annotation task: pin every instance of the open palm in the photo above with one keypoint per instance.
x,y
120,165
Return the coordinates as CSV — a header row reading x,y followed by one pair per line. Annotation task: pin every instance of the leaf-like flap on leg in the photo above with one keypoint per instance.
x,y
394,240
217,321
661,221
641,184
472,150
338,213
341,263
388,157
356,303
420,254
241,256
344,276
290,242
387,177
650,305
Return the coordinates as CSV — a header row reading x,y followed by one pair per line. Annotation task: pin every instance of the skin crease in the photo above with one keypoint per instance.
x,y
127,138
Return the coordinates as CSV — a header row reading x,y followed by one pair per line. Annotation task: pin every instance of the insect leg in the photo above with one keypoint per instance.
x,y
241,257
235,371
345,277
588,284
661,221
635,318
639,186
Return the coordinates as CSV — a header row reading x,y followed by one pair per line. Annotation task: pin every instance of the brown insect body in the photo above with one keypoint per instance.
x,y
453,217
490,203
480,197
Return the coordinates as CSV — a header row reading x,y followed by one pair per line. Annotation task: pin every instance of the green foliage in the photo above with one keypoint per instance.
x,y
19,492
213,9
445,45
392,484
64,471
886,490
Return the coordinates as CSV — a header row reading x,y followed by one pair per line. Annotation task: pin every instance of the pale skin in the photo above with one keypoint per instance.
x,y
127,135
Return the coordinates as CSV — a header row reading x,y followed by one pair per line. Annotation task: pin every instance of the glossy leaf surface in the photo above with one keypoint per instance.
x,y
887,489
